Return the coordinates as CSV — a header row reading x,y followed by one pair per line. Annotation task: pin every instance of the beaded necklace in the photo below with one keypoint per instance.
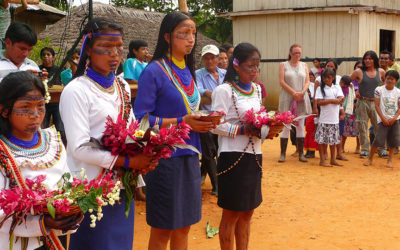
x,y
241,91
109,90
190,94
251,142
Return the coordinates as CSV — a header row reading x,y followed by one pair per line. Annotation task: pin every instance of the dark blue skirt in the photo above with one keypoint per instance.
x,y
113,232
173,193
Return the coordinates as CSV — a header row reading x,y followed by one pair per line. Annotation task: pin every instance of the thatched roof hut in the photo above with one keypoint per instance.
x,y
137,24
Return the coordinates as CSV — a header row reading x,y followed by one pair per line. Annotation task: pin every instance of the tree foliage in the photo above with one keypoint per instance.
x,y
203,12
59,4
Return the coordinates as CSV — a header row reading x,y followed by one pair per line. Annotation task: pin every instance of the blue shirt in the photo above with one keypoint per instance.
x,y
158,96
66,76
205,81
133,68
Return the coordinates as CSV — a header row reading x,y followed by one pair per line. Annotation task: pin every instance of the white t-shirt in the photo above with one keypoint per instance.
x,y
311,89
7,67
389,101
329,113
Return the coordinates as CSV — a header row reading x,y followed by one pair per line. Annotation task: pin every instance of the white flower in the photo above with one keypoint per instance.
x,y
92,216
93,225
82,174
90,210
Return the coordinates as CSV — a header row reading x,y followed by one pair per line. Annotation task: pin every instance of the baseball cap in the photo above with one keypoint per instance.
x,y
210,49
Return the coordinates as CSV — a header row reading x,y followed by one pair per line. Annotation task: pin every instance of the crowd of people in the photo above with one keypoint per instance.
x,y
170,91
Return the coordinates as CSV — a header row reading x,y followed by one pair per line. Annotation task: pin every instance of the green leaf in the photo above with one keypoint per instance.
x,y
99,191
144,123
51,209
126,180
211,231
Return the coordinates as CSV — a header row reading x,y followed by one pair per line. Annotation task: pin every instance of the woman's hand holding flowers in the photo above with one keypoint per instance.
x,y
71,222
198,125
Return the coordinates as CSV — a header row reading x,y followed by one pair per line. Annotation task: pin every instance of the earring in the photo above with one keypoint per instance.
x,y
87,64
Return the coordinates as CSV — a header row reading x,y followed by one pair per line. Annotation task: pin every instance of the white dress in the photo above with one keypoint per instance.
x,y
49,158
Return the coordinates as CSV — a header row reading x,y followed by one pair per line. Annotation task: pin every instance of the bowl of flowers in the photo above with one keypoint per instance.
x,y
270,123
210,116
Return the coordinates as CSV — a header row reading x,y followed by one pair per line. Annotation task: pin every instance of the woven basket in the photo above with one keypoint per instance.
x,y
75,209
274,129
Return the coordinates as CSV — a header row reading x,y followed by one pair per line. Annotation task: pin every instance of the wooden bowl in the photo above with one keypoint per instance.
x,y
75,209
274,129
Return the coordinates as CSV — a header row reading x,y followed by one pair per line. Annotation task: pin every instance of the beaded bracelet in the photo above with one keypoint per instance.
x,y
126,162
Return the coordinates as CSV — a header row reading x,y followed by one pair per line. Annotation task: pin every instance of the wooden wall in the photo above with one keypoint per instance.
x,y
320,34
369,36
245,5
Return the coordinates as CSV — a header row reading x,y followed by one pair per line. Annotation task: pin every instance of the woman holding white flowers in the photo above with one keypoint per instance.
x,y
26,152
94,94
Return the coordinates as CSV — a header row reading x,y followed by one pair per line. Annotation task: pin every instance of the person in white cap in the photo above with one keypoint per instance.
x,y
208,78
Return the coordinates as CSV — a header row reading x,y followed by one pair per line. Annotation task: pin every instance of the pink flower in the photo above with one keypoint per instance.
x,y
62,205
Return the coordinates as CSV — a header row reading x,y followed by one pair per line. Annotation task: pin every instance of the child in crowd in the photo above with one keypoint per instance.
x,y
136,61
73,61
222,59
329,97
316,70
27,152
387,98
350,126
309,142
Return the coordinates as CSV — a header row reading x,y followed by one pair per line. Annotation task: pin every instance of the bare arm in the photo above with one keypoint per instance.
x,y
357,75
323,102
307,83
382,74
21,8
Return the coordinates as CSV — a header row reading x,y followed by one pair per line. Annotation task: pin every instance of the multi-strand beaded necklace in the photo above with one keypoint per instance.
x,y
238,90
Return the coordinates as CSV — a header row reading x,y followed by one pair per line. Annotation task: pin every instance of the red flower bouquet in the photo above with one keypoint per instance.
x,y
139,138
71,198
270,123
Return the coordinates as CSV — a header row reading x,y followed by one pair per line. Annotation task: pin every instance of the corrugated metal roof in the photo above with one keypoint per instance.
x,y
42,7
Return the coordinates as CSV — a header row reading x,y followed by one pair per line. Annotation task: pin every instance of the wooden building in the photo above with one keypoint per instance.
x,y
39,15
339,29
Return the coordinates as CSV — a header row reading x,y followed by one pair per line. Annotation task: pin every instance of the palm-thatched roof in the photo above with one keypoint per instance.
x,y
137,24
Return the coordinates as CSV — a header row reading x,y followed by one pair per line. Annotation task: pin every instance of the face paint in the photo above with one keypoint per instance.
x,y
108,51
185,36
29,112
31,98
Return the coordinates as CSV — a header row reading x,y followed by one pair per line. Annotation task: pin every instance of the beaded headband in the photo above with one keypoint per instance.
x,y
90,35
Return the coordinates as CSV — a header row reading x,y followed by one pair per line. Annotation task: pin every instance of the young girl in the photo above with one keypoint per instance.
x,y
329,97
35,152
309,142
86,102
136,61
168,93
350,126
240,157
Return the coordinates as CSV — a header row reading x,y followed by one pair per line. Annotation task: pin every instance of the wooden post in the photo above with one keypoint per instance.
x,y
183,5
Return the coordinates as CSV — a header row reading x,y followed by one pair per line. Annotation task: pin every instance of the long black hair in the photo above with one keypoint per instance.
x,y
168,24
374,57
135,45
326,72
96,25
355,65
13,86
242,52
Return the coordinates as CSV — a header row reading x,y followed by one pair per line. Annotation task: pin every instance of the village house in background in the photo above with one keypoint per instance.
x,y
336,29
137,24
38,15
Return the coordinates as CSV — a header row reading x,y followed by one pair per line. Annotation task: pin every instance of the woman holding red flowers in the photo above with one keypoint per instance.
x,y
28,152
93,95
168,93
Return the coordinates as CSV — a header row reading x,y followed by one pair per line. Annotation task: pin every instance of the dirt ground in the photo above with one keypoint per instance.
x,y
306,206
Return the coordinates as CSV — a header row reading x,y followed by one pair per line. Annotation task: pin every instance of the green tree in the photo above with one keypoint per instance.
x,y
59,4
203,11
